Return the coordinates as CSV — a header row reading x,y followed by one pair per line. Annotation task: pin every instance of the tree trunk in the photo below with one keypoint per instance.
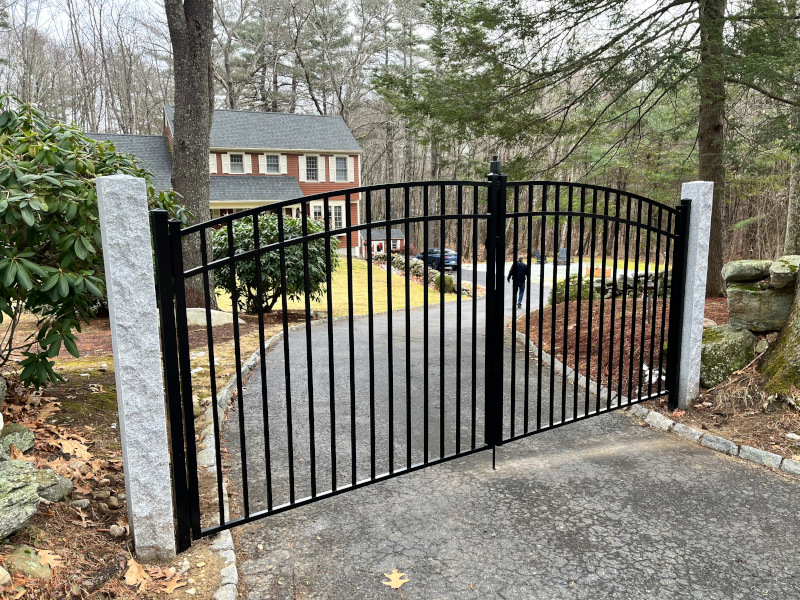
x,y
191,33
711,133
791,244
782,363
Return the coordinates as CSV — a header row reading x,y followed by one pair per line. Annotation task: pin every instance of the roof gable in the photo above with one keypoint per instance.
x,y
277,131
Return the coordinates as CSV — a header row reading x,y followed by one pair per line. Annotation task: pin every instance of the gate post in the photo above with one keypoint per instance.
x,y
495,288
690,297
127,254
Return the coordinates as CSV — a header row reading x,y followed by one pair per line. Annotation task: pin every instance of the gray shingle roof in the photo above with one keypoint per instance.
x,y
379,233
151,150
254,187
277,131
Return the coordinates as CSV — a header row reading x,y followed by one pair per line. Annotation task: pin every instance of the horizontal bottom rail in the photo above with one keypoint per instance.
x,y
339,490
592,413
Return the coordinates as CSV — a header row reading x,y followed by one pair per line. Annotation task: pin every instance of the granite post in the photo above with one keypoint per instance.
x,y
130,285
701,193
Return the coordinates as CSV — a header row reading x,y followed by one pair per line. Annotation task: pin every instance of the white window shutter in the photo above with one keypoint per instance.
x,y
212,163
247,159
262,163
351,169
282,162
331,160
226,163
301,161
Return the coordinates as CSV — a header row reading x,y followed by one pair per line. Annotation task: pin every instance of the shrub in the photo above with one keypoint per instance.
x,y
246,291
51,264
557,293
449,283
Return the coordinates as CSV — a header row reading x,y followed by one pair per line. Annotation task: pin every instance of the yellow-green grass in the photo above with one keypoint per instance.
x,y
339,292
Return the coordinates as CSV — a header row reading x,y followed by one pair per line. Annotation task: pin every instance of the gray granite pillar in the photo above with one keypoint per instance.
x,y
701,193
130,286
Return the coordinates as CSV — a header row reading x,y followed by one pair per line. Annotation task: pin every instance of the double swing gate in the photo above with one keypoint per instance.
x,y
384,366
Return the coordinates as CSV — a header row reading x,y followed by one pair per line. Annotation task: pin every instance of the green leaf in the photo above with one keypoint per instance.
x,y
11,273
80,249
27,216
50,282
93,288
63,285
23,278
71,346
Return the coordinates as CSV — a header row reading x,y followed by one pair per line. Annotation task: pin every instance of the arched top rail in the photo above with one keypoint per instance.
x,y
345,192
383,187
599,188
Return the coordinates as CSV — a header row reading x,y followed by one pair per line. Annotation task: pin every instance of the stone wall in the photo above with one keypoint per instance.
x,y
760,295
760,292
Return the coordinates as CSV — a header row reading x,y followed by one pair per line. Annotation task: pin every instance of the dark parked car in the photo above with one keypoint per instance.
x,y
434,258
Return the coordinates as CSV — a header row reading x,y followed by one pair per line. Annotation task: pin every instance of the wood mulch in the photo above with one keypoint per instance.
x,y
602,350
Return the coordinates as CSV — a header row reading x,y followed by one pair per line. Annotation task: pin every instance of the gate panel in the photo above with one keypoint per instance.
x,y
345,401
591,333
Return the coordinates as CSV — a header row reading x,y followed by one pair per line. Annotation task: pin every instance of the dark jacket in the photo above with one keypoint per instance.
x,y
519,271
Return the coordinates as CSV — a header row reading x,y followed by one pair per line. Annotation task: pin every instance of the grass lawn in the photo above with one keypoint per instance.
x,y
360,295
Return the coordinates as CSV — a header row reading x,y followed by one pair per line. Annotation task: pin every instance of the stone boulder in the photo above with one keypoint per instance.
x,y
26,561
196,317
52,487
757,307
725,349
783,272
3,390
746,270
14,433
19,495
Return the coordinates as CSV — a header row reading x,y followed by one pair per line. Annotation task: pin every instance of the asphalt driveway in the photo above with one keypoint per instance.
x,y
603,508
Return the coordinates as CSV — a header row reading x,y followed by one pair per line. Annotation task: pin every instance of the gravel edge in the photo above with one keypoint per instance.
x,y
762,458
657,420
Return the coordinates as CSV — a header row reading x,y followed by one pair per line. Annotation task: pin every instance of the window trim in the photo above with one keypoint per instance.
x,y
241,155
277,164
336,160
316,157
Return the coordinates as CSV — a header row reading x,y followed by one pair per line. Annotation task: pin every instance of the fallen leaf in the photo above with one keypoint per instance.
x,y
83,489
73,448
395,579
135,575
16,454
171,586
53,560
678,413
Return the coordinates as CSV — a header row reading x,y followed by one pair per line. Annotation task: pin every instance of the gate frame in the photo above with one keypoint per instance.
x,y
123,199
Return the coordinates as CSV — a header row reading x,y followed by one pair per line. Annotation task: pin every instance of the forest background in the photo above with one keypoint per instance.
x,y
610,93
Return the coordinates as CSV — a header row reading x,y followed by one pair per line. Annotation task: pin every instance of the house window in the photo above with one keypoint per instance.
x,y
237,163
341,168
318,212
273,166
312,172
395,244
337,217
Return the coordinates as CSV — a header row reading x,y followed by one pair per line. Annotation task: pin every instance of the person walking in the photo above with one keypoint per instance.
x,y
520,273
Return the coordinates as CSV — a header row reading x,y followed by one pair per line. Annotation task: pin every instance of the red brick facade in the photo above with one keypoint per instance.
x,y
307,187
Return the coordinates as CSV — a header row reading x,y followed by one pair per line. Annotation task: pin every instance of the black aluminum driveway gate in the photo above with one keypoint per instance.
x,y
356,401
